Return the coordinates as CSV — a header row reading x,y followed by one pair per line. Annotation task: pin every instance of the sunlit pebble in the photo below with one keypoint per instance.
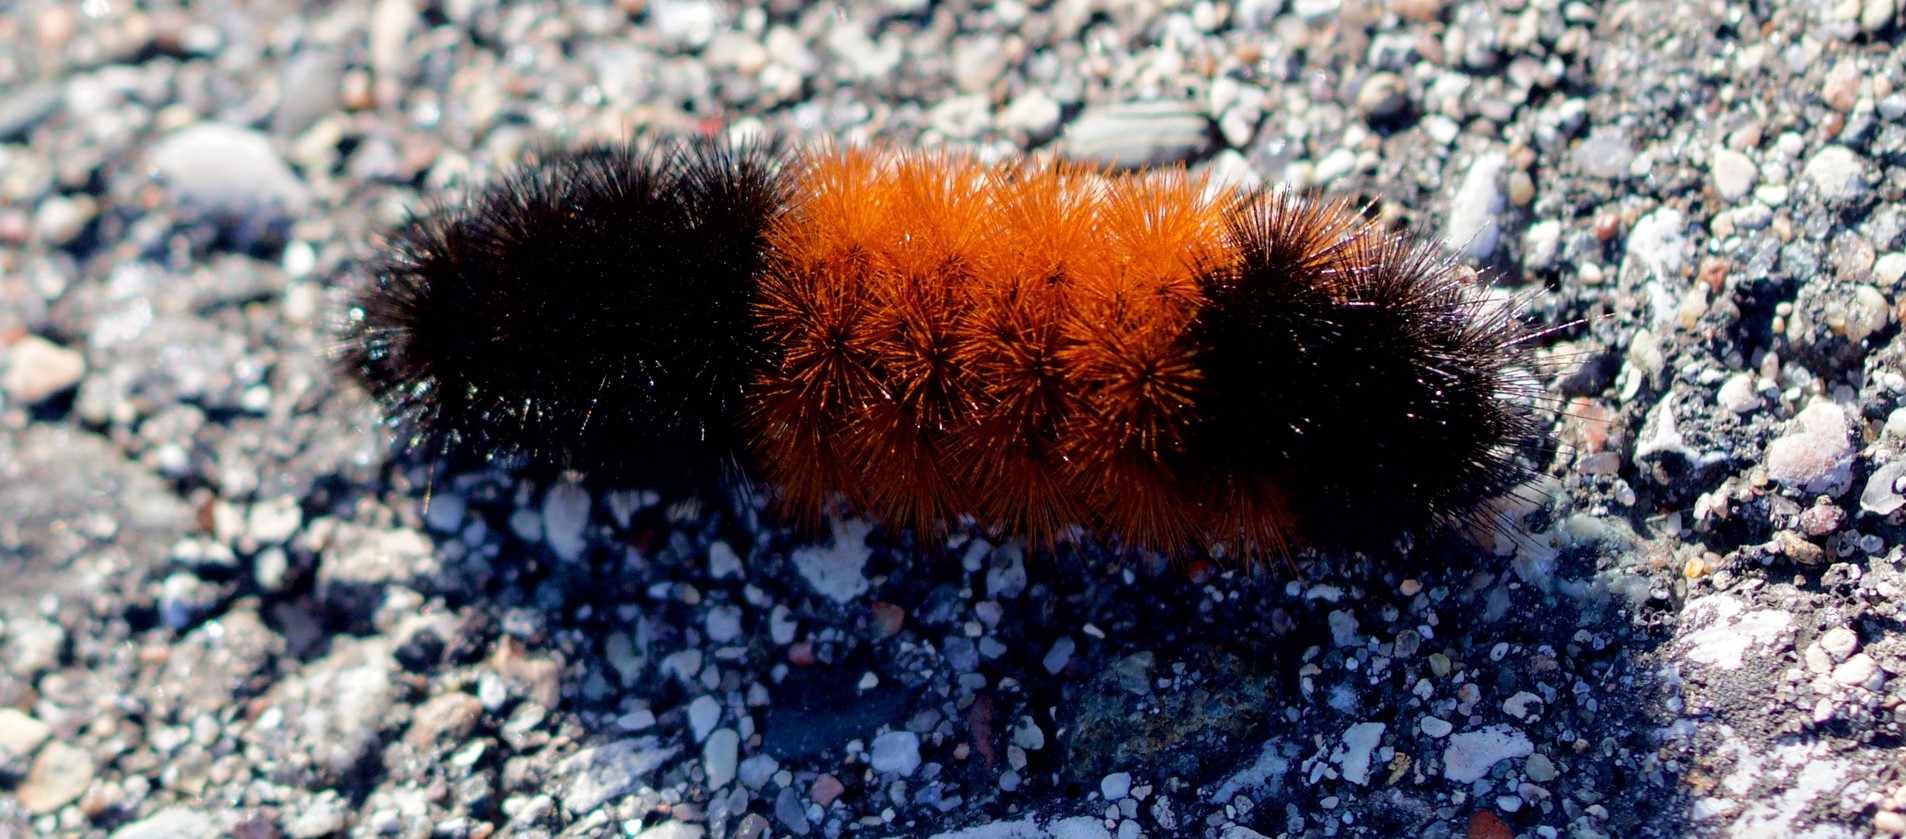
x,y
1842,88
1607,227
55,26
14,226
1714,271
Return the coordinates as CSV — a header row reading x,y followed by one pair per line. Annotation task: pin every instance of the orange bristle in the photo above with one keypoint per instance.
x,y
1017,340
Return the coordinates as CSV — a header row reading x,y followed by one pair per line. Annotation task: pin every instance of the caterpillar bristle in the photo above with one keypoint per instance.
x,y
549,316
1184,371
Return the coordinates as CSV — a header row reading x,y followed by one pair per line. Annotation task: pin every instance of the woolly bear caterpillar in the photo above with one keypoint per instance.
x,y
1037,345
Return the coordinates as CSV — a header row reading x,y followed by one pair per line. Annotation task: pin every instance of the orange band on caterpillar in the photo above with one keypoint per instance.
x,y
1036,345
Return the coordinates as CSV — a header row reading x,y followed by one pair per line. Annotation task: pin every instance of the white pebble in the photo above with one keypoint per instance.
x,y
1889,269
1472,227
834,571
565,515
1353,753
1856,671
1658,245
1471,754
1839,643
1522,705
1734,174
1737,394
37,368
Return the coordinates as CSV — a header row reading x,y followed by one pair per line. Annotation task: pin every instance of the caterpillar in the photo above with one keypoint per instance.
x,y
1039,346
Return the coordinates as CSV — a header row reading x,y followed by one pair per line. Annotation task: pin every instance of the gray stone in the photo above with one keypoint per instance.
x,y
24,107
1133,135
339,706
1605,153
757,770
308,89
231,175
175,823
1838,173
788,810
896,752
719,755
600,774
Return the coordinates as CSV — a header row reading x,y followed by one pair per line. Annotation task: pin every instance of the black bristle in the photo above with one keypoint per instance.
x,y
589,311
1357,367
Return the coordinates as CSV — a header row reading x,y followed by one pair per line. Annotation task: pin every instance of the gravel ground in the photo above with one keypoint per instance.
x,y
231,610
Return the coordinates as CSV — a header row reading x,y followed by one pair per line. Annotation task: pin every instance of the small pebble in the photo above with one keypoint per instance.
x,y
1889,822
1734,174
896,753
565,517
1738,395
789,812
59,774
1034,114
1876,15
1883,495
719,755
1539,768
1816,453
1470,755
1856,671
1472,227
36,369
1133,135
1060,655
825,789
1839,643
1838,173
1383,98
60,219
703,713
